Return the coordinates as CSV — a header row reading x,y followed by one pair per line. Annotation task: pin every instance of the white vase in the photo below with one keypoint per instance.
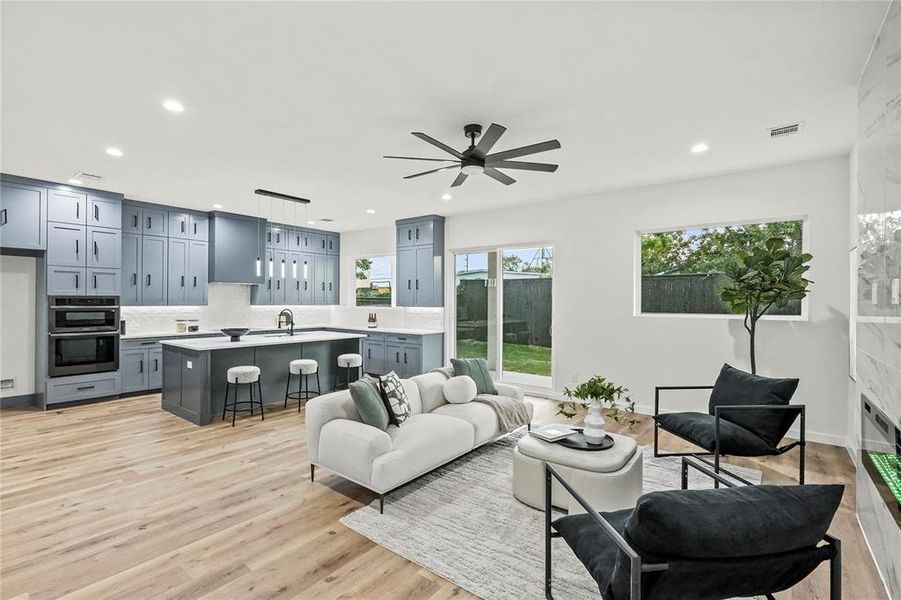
x,y
594,423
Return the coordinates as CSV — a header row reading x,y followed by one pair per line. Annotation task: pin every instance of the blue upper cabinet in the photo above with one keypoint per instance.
x,y
104,211
23,216
420,261
67,206
132,217
156,220
236,248
179,225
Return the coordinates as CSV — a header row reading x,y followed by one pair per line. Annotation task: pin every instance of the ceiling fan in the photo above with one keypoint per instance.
x,y
476,158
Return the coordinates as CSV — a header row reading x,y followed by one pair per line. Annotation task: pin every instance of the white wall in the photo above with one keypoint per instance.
x,y
17,288
595,331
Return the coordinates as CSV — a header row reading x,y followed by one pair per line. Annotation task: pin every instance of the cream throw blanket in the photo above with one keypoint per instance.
x,y
511,413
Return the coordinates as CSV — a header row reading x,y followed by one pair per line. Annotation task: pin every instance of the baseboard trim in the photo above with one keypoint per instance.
x,y
19,401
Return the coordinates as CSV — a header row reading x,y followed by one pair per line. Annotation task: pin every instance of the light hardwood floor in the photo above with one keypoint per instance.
x,y
123,500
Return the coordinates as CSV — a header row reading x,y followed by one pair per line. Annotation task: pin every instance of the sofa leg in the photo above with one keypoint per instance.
x,y
312,472
528,427
548,577
835,572
381,504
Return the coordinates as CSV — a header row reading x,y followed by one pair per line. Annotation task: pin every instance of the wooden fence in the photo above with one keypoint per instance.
x,y
527,311
692,294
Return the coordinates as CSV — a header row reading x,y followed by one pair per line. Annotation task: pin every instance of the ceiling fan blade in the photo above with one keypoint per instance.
x,y
531,149
453,166
418,158
438,144
460,179
489,138
502,177
525,166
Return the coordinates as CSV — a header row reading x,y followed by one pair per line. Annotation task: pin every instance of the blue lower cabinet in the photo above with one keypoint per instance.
x,y
103,282
374,356
66,281
81,387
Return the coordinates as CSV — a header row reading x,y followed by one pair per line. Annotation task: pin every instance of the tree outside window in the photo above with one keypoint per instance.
x,y
373,281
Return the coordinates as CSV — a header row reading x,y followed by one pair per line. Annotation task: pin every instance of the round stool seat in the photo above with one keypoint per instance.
x,y
350,360
249,374
303,366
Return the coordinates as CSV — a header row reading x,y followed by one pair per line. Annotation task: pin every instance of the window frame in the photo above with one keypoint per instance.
x,y
636,269
392,260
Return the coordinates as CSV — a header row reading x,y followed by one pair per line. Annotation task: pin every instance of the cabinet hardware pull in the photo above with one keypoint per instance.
x,y
156,364
369,353
409,284
76,281
136,220
85,387
278,237
195,281
134,279
417,284
195,228
329,286
182,281
149,222
96,212
278,284
148,279
269,236
141,366
182,225
269,284
323,286
405,358
397,357
147,343
298,286
76,246
402,339
77,210
410,234
305,286
95,248
417,233
95,282
3,217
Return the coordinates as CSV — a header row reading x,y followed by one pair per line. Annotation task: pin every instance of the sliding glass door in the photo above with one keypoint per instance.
x,y
509,325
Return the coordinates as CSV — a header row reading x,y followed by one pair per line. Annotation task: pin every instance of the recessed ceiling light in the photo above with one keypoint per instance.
x,y
446,197
173,106
700,147
370,211
217,206
75,181
311,222
113,151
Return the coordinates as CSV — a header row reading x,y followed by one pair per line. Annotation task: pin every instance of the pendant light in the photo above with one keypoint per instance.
x,y
294,260
259,213
270,254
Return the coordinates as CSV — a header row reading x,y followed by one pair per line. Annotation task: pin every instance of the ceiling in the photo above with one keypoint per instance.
x,y
304,98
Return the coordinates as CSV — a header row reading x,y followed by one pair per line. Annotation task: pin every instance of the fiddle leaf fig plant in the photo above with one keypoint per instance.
x,y
766,276
614,397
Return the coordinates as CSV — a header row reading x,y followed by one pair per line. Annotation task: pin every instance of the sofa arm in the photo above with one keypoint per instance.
x,y
510,391
349,447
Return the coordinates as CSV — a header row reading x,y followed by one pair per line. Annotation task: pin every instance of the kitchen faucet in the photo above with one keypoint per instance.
x,y
287,312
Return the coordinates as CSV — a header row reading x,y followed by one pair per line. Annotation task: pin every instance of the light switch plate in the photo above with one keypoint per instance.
x,y
189,364
8,384
896,291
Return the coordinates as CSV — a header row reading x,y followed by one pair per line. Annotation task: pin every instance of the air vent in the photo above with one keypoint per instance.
x,y
784,130
87,176
326,220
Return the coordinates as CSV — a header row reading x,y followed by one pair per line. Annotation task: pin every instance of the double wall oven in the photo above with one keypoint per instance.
x,y
84,335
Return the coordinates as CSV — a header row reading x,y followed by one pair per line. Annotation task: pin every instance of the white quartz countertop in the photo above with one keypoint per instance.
x,y
141,335
254,341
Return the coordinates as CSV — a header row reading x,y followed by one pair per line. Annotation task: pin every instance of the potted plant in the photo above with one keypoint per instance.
x,y
598,394
769,275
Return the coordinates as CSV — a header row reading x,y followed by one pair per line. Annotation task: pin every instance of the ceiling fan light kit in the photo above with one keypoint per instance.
x,y
476,159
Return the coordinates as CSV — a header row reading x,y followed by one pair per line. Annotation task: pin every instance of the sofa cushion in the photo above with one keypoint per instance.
x,y
396,395
460,390
481,416
368,400
734,386
431,389
425,441
698,428
732,522
477,368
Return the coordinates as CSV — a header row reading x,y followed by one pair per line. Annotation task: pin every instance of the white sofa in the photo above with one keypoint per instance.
x,y
436,433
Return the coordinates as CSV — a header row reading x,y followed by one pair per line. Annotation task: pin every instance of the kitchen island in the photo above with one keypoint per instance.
x,y
194,370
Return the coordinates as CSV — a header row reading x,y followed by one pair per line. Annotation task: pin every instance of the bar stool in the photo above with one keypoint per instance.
x,y
303,368
348,362
238,376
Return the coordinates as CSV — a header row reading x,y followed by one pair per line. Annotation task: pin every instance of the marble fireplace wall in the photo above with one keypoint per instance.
x,y
878,256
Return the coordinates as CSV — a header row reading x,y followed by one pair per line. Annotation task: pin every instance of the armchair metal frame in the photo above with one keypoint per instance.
x,y
800,443
636,565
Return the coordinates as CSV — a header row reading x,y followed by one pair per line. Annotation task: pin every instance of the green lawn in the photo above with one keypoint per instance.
x,y
519,358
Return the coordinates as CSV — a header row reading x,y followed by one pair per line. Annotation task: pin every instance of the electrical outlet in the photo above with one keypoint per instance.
x,y
8,384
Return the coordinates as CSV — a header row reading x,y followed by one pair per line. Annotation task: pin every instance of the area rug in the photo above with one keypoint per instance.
x,y
463,523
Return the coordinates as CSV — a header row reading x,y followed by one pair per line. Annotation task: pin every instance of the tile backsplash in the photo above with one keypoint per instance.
x,y
228,305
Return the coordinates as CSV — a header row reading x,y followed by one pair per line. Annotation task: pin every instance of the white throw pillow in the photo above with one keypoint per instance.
x,y
460,390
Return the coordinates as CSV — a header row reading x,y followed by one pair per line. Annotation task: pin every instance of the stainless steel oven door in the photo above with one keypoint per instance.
x,y
80,353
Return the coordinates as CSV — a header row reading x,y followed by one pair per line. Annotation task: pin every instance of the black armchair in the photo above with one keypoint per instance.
x,y
702,544
748,416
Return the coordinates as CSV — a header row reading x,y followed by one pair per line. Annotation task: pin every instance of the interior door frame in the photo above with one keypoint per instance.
x,y
450,303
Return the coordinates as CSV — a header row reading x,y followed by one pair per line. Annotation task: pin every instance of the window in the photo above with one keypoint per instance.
x,y
682,269
374,275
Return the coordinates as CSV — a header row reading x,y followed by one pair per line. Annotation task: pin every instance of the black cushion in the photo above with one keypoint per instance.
x,y
698,429
734,386
591,544
732,522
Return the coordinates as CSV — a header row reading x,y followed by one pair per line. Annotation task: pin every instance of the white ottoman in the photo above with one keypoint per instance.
x,y
607,479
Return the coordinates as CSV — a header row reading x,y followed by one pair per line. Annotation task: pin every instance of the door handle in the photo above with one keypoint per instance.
x,y
3,217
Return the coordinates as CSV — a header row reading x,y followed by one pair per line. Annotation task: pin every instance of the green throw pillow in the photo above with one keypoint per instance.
x,y
368,400
477,368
